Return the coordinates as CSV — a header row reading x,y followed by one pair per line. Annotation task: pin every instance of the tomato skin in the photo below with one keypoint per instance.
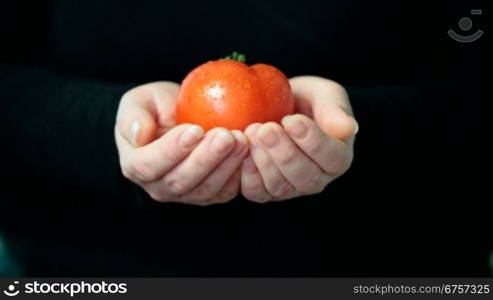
x,y
227,93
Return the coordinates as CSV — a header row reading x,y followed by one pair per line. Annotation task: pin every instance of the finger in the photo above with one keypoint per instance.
x,y
275,183
329,104
216,180
229,191
330,154
136,118
295,166
152,161
252,185
214,148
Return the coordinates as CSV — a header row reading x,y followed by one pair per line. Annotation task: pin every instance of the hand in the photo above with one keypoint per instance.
x,y
175,163
309,150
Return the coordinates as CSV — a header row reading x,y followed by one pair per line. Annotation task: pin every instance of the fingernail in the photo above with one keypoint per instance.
x,y
241,142
134,129
221,142
252,129
191,136
356,126
268,136
295,127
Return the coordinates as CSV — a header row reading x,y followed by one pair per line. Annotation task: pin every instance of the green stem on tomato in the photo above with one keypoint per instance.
x,y
236,56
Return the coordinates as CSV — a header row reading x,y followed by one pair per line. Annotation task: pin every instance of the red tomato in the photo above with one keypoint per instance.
x,y
228,93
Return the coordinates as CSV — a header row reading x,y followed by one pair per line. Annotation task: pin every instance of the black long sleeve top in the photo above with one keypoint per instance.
x,y
66,209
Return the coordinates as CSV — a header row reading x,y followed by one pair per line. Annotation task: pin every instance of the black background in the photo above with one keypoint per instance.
x,y
415,202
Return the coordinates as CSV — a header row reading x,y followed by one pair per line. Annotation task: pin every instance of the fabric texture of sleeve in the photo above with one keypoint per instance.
x,y
58,131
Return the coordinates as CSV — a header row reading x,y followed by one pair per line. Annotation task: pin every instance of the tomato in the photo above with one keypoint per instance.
x,y
228,93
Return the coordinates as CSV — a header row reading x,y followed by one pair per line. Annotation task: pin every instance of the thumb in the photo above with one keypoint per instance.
x,y
336,122
329,103
136,121
142,130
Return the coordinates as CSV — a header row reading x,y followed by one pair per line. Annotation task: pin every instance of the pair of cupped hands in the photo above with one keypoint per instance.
x,y
267,162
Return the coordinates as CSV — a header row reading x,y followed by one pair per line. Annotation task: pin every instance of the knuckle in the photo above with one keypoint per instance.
x,y
206,190
169,157
157,196
281,190
139,169
224,197
175,185
231,192
313,146
129,170
202,162
144,171
340,165
313,184
287,157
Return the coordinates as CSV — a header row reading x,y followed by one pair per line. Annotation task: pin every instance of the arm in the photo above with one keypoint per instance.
x,y
58,133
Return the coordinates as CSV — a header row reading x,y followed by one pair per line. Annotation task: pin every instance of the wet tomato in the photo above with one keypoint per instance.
x,y
228,93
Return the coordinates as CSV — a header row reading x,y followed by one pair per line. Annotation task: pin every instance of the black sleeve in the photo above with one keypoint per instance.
x,y
58,143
